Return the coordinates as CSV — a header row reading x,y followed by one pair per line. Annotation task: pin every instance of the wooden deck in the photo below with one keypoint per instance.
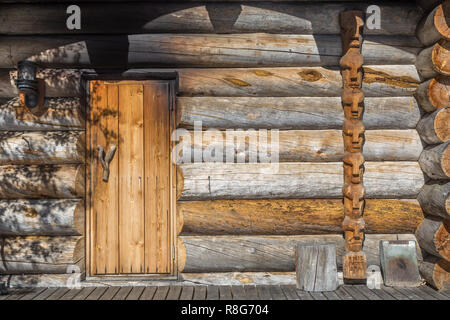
x,y
247,292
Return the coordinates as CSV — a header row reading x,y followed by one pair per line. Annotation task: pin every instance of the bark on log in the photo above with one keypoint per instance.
x,y
32,254
49,147
119,18
213,181
436,272
259,253
61,114
435,25
380,81
292,217
435,199
293,112
434,93
46,181
433,236
428,4
39,280
42,217
434,128
208,50
299,145
433,61
435,161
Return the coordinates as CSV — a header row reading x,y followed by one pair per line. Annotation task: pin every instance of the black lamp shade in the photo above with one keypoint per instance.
x,y
26,82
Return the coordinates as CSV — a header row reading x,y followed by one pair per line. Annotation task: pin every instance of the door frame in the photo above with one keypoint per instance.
x,y
171,78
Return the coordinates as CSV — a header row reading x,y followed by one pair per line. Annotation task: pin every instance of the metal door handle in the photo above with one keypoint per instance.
x,y
105,160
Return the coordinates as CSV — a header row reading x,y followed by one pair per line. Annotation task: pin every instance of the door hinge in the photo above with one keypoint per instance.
x,y
173,252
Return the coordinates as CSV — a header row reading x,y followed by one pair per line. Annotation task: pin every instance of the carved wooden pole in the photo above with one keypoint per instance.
x,y
355,262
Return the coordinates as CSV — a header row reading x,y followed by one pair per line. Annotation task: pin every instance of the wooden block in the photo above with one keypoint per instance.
x,y
399,263
316,267
354,268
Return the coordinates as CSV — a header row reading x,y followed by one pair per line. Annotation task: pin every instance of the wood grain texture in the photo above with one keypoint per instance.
x,y
435,199
434,128
436,272
50,147
205,181
433,236
435,161
206,50
32,254
118,18
434,93
42,217
199,254
433,60
435,26
292,216
293,112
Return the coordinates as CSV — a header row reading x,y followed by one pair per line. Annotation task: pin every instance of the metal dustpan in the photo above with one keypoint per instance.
x,y
399,263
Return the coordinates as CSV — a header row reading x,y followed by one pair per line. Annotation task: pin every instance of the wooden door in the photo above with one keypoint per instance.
x,y
130,206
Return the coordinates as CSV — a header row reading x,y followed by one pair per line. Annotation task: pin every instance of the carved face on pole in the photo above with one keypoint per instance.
x,y
353,103
354,233
352,23
353,167
353,199
351,69
353,133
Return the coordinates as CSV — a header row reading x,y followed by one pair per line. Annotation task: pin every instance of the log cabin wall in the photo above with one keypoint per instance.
x,y
241,65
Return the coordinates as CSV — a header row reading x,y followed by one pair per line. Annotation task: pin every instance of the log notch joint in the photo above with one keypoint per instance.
x,y
355,263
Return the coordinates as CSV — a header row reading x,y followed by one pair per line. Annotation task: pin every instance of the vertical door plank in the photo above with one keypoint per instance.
x,y
131,173
104,132
157,174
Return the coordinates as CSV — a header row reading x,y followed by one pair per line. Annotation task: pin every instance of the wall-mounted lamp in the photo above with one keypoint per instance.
x,y
27,84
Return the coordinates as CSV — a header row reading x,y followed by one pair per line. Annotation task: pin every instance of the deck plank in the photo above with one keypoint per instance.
x,y
367,292
383,294
199,293
174,293
97,293
277,293
289,292
15,294
331,295
148,293
434,293
84,293
58,294
396,294
317,295
344,295
109,293
238,292
135,293
408,293
212,293
45,294
187,293
264,292
304,295
161,293
250,292
354,293
419,294
225,293
123,293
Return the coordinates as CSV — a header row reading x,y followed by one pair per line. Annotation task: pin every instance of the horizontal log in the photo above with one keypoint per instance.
x,y
49,280
436,272
435,199
293,216
259,253
293,112
48,147
239,278
433,236
433,61
428,4
434,128
61,114
119,18
297,145
435,161
42,217
434,93
207,50
380,81
435,26
32,254
213,181
46,181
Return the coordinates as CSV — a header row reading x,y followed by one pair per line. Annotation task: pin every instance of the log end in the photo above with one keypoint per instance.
x,y
442,240
442,124
439,92
441,57
442,18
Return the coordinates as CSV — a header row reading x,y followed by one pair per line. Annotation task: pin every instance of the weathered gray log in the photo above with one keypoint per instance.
x,y
210,181
42,217
61,114
292,216
433,236
297,145
119,18
259,253
434,128
428,4
435,199
293,112
316,267
433,61
238,278
49,280
45,181
434,26
434,93
31,254
435,161
379,81
208,50
436,272
49,147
